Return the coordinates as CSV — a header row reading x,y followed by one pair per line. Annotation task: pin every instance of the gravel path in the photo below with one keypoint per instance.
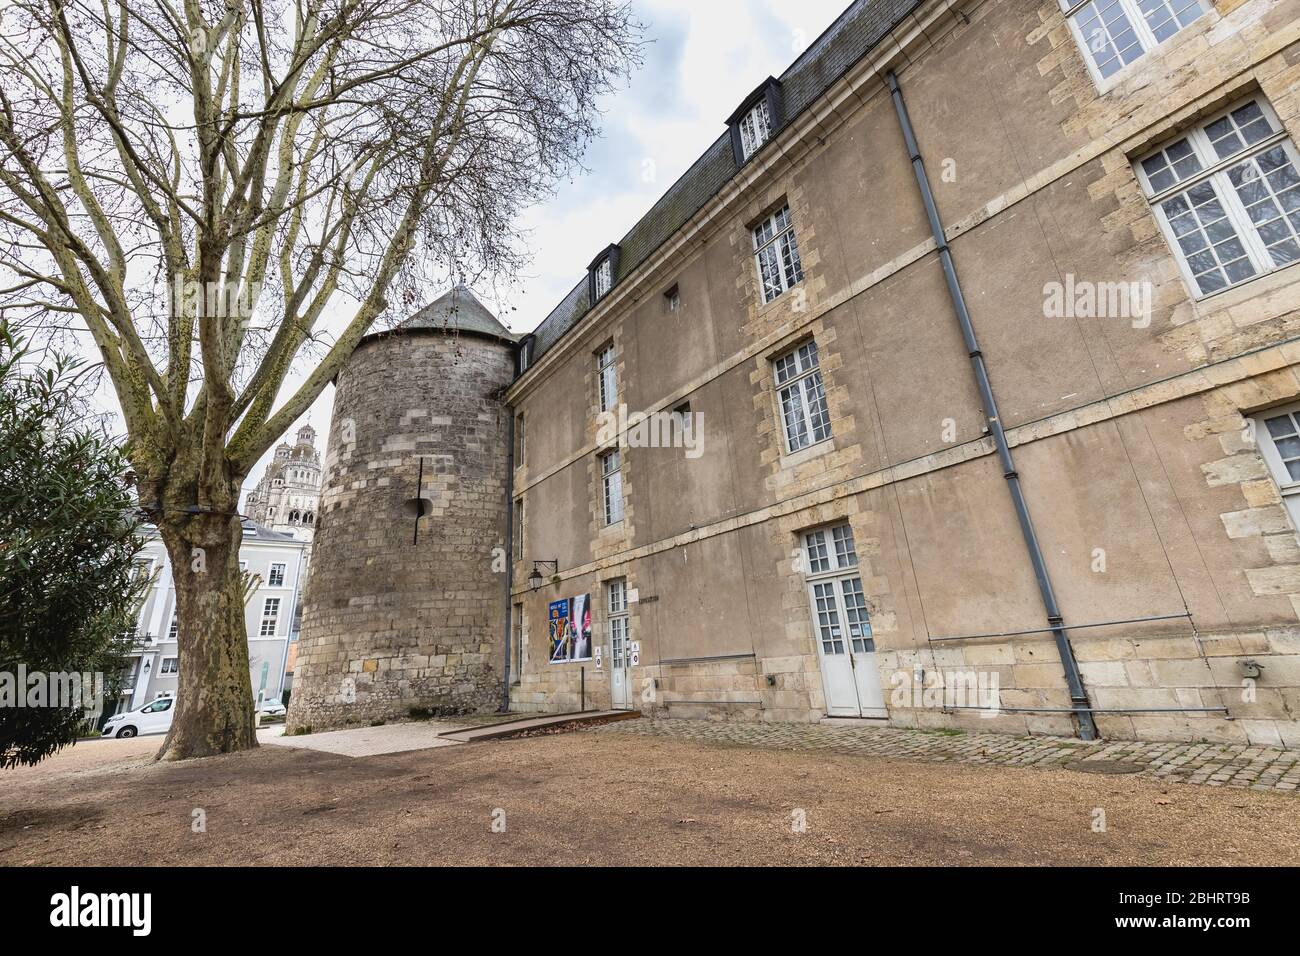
x,y
607,797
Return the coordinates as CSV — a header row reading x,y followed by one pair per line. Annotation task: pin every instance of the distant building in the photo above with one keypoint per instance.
x,y
287,497
286,500
275,560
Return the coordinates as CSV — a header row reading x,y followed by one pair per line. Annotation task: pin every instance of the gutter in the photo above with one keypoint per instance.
x,y
1080,706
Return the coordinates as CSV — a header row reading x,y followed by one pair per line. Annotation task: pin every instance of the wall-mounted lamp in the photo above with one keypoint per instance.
x,y
535,576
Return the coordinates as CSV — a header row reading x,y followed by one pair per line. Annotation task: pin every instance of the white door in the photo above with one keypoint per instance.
x,y
842,625
620,695
838,683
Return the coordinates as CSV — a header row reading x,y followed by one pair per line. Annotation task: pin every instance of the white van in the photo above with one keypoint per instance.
x,y
154,717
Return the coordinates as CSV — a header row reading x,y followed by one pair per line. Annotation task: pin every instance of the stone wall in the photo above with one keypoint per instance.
x,y
1131,441
394,624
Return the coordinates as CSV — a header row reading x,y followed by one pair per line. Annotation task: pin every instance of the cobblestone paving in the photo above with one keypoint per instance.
x,y
1232,765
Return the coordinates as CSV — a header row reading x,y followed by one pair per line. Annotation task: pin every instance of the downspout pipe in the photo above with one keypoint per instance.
x,y
1081,708
510,554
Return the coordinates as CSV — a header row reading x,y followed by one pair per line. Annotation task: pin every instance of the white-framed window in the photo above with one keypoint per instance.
x,y
804,416
835,588
777,254
519,440
270,617
612,481
1227,197
1114,33
616,608
173,629
604,277
755,128
673,300
1277,431
275,579
607,378
169,665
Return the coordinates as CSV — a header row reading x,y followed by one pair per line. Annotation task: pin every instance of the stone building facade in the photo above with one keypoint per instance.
x,y
822,520
287,496
404,611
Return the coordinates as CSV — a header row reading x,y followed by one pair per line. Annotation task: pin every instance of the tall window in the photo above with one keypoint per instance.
x,y
804,416
270,617
1227,196
604,278
779,267
616,605
174,629
755,128
518,544
276,578
1278,432
612,480
1114,33
836,590
607,375
519,440
517,619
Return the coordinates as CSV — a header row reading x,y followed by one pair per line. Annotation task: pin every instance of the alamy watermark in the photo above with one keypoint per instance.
x,y
677,429
1082,299
218,300
63,690
937,690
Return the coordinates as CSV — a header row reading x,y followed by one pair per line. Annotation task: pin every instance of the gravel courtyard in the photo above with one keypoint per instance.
x,y
608,797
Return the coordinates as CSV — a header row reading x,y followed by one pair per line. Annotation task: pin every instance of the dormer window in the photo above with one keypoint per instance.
x,y
601,273
525,353
755,128
755,120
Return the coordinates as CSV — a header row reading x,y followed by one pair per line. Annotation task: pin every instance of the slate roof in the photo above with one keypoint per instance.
x,y
857,30
256,532
458,310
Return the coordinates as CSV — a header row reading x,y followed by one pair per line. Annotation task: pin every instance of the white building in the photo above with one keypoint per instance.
x,y
275,560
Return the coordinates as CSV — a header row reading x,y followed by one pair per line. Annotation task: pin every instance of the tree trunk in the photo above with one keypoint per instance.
x,y
214,701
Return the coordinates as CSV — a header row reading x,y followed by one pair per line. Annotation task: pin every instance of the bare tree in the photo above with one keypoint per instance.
x,y
200,183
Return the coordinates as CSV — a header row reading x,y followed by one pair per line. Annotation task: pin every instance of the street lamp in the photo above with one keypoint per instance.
x,y
535,579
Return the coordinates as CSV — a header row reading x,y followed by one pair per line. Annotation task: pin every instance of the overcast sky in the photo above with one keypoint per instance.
x,y
703,57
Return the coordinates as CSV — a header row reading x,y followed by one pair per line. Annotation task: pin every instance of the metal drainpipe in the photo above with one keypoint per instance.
x,y
1078,695
510,550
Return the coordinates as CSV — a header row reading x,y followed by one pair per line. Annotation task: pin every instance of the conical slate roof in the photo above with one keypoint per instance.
x,y
458,310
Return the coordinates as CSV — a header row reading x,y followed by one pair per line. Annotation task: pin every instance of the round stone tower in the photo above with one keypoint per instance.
x,y
406,602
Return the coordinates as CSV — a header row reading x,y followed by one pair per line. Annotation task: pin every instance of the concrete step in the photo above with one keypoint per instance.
x,y
510,728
